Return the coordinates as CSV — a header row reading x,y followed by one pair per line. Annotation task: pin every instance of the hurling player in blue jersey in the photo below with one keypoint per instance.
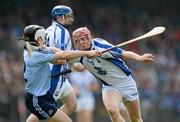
x,y
110,69
38,99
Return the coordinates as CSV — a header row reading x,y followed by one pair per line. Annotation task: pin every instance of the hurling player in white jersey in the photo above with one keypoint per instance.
x,y
37,74
58,36
110,69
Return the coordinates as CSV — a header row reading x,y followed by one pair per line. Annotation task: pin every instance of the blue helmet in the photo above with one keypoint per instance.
x,y
60,10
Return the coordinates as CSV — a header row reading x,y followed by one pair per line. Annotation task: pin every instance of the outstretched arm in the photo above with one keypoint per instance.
x,y
145,58
68,55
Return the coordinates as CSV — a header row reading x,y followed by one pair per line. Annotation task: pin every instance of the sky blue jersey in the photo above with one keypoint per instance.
x,y
37,72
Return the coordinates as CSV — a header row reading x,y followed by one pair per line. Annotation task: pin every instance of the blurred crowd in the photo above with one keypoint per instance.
x,y
159,83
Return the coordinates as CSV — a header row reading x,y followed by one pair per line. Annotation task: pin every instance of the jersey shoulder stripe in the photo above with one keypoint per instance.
x,y
98,42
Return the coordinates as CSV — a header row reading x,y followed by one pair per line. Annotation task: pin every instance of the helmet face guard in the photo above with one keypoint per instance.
x,y
60,10
82,38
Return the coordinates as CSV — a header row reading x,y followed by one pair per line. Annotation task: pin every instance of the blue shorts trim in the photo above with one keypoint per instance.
x,y
44,107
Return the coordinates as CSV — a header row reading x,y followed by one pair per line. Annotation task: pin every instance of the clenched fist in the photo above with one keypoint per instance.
x,y
94,54
147,58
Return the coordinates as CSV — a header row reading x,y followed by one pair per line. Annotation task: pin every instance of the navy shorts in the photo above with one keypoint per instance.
x,y
44,107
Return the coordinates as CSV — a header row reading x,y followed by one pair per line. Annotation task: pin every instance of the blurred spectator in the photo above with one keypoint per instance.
x,y
84,84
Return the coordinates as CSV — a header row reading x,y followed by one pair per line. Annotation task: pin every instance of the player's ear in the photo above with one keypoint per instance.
x,y
89,37
59,18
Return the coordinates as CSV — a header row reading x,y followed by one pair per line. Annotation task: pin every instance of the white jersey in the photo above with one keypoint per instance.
x,y
58,36
109,68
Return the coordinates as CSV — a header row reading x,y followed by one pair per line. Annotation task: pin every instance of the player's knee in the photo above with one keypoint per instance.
x,y
112,110
72,106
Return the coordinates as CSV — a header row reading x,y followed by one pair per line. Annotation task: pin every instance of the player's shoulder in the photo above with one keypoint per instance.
x,y
62,29
59,26
56,28
99,40
50,29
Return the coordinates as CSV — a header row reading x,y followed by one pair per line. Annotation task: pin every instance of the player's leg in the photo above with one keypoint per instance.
x,y
85,116
123,112
69,103
45,108
59,116
134,111
111,100
32,118
30,106
68,98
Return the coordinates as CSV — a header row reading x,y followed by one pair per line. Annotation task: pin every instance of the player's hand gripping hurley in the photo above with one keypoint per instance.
x,y
153,32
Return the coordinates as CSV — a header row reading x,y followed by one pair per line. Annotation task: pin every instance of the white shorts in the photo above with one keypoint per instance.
x,y
85,103
62,91
127,88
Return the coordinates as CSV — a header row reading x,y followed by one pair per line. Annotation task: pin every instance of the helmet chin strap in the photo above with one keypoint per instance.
x,y
63,18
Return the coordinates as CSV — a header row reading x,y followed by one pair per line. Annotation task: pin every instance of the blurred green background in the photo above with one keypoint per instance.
x,y
115,21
